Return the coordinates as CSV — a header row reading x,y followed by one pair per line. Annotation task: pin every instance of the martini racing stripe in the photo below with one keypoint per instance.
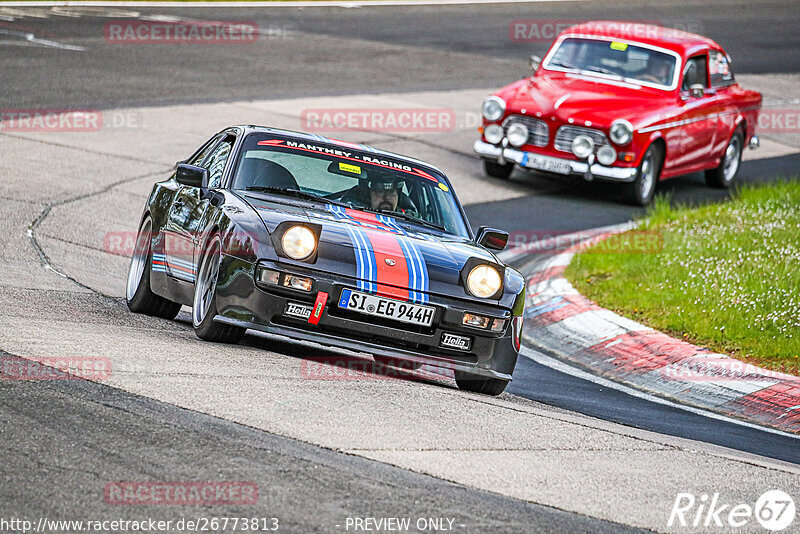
x,y
159,263
418,271
380,237
180,268
365,260
366,271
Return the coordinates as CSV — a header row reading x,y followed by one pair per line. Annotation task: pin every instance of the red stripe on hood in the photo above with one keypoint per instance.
x,y
393,280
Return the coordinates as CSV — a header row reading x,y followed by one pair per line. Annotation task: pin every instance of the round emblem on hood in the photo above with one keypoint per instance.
x,y
389,261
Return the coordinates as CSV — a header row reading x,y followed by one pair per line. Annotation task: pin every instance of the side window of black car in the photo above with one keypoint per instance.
x,y
201,155
695,72
216,160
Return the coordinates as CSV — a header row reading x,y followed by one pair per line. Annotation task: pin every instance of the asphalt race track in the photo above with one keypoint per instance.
x,y
556,453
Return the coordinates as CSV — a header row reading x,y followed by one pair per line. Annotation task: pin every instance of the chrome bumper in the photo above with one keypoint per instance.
x,y
616,174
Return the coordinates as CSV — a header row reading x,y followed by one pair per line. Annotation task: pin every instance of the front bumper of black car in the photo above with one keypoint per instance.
x,y
241,302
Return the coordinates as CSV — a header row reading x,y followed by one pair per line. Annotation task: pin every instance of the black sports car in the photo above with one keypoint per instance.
x,y
332,242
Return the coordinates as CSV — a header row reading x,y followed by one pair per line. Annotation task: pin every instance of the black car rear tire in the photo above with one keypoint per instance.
x,y
478,384
495,170
724,175
138,294
204,305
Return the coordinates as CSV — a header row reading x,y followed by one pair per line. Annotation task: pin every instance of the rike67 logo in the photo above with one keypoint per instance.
x,y
774,510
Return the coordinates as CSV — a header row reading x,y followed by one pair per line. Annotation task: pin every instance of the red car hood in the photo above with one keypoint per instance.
x,y
583,100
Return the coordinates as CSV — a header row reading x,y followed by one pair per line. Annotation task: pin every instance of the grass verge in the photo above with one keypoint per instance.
x,y
727,276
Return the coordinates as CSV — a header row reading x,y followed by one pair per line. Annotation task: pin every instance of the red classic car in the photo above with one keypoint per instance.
x,y
623,102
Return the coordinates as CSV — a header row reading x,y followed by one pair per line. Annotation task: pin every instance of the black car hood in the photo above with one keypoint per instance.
x,y
381,251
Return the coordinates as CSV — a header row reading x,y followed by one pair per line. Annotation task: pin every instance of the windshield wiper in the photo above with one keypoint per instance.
x,y
565,65
603,70
296,193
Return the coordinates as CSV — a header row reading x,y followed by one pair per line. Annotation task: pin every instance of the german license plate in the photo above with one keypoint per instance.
x,y
388,308
543,163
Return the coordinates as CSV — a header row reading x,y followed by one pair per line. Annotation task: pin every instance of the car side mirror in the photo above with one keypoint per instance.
x,y
697,90
491,238
191,175
535,61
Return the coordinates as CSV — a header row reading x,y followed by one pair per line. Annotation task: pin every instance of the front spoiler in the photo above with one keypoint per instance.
x,y
615,174
362,346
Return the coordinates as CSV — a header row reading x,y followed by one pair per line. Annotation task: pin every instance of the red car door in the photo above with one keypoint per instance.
x,y
698,121
722,83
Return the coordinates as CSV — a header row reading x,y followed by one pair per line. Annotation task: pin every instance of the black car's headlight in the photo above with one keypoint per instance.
x,y
484,281
299,242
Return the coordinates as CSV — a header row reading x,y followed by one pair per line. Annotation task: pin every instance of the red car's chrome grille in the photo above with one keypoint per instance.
x,y
538,131
566,134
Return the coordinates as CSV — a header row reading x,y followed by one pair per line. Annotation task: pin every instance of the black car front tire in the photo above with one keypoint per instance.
x,y
204,305
138,293
478,384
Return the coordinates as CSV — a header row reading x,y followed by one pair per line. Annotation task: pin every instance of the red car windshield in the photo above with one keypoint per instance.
x,y
615,60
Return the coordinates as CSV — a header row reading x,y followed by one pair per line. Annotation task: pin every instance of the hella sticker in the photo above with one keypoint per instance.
x,y
454,341
294,309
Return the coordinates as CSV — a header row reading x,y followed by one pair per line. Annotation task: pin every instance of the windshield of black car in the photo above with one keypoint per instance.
x,y
349,176
625,61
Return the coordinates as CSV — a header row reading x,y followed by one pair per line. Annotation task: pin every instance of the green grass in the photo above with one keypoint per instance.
x,y
727,277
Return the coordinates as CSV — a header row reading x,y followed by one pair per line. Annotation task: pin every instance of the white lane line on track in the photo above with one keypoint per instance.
x,y
277,3
29,39
563,367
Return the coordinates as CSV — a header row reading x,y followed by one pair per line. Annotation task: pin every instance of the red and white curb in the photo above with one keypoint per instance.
x,y
565,324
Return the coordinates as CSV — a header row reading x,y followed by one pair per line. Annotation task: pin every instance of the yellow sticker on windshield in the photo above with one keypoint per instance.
x,y
619,46
443,187
346,167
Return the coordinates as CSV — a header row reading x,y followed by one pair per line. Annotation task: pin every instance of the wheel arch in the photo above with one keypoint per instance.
x,y
660,142
212,231
740,124
657,137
